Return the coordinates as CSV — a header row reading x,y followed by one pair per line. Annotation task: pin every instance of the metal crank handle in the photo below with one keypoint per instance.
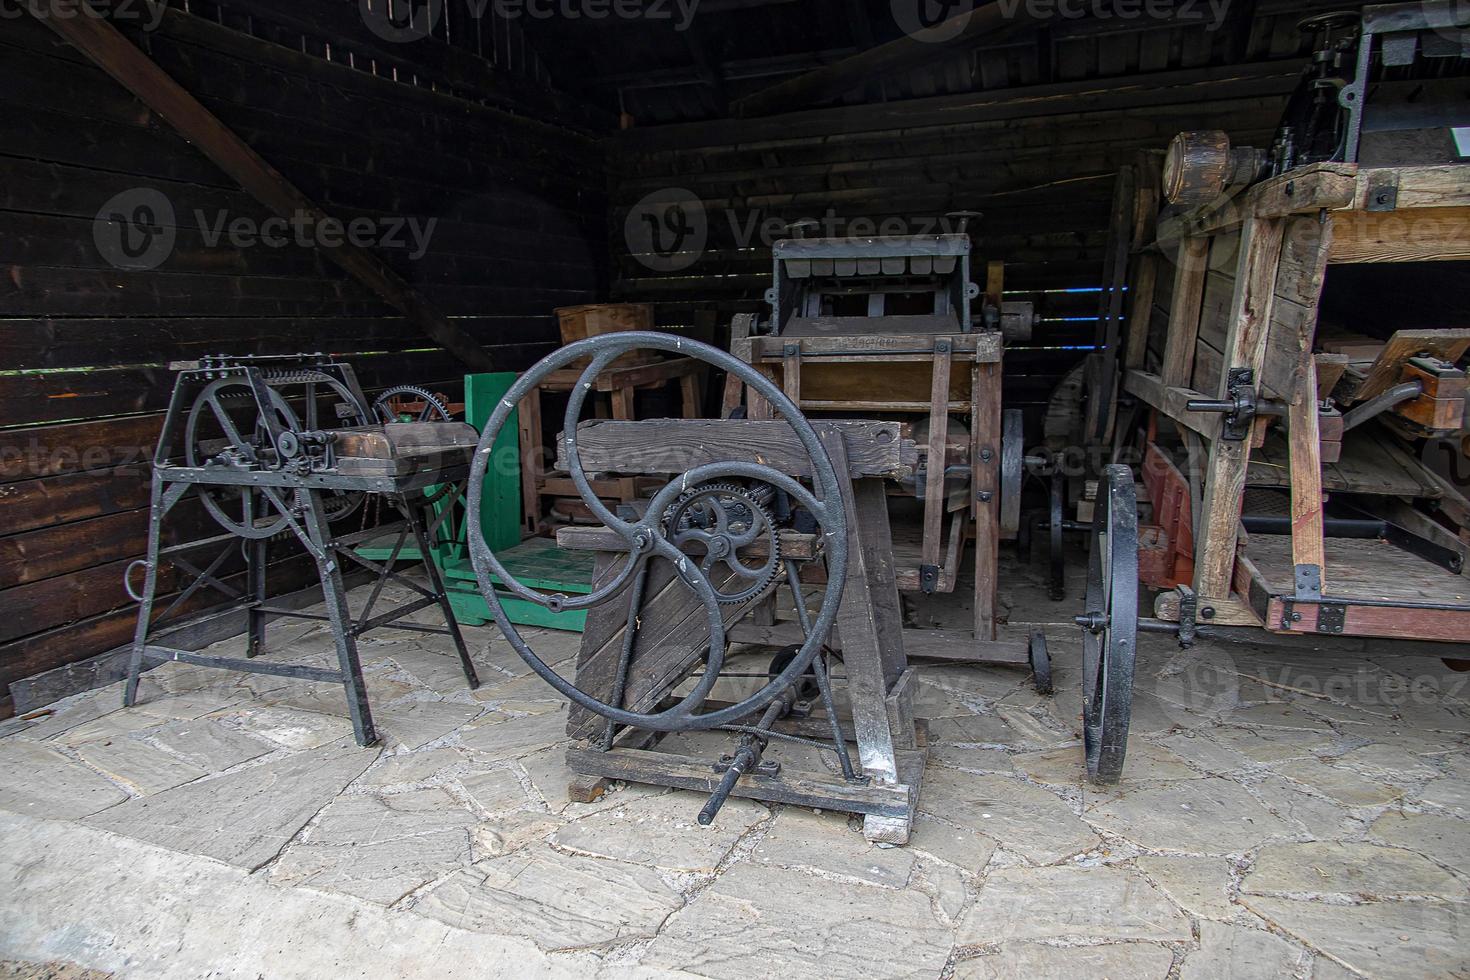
x,y
745,758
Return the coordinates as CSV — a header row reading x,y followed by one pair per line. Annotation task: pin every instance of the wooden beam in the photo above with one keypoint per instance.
x,y
1188,296
100,41
991,22
1245,346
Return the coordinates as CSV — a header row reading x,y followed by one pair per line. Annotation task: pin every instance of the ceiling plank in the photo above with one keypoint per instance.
x,y
822,84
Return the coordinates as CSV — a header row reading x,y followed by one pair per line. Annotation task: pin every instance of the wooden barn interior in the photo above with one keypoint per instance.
x,y
726,488
505,163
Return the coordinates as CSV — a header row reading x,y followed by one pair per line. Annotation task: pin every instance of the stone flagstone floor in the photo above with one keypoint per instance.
x,y
1283,814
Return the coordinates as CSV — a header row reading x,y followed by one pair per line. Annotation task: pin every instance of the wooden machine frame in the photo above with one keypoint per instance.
x,y
939,367
875,711
1248,340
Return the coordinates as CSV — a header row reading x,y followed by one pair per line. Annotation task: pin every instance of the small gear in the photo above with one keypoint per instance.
x,y
386,410
720,519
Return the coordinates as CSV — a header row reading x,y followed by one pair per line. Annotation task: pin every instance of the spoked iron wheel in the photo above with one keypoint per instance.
x,y
1056,556
1110,626
1040,662
410,403
225,426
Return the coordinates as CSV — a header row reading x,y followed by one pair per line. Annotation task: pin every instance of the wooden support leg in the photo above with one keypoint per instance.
x,y
1245,347
691,394
1303,269
791,372
623,410
1308,551
740,347
1184,311
985,484
869,618
934,479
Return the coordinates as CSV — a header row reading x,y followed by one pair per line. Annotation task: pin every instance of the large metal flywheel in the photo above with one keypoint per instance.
x,y
698,521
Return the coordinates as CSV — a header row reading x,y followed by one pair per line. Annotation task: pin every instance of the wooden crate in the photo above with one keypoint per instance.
x,y
595,319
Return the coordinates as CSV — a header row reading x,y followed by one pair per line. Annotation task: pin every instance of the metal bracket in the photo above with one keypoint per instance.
x,y
1308,582
763,768
1188,604
928,578
1239,406
1383,191
1331,617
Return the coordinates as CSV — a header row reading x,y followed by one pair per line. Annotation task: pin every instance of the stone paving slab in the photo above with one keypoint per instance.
x,y
1135,961
661,831
825,842
557,900
1200,816
288,728
508,739
245,817
1018,815
1391,940
1146,762
1439,837
415,724
1237,953
141,767
1350,871
958,846
1097,903
380,848
1337,783
77,894
210,745
1198,885
39,781
761,922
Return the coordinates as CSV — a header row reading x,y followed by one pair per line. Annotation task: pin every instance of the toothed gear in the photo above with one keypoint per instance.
x,y
719,519
434,408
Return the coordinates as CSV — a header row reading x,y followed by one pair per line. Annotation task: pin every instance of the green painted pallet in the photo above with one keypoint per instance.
x,y
536,562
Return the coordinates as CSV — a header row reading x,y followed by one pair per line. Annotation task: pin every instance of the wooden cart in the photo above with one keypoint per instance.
x,y
1264,400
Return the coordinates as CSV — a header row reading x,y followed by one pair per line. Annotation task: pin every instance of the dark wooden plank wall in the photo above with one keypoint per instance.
x,y
1039,162
84,347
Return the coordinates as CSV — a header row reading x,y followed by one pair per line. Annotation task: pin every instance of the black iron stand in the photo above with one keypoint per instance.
x,y
305,514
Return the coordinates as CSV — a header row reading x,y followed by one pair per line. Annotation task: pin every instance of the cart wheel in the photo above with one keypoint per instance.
x,y
1110,626
1040,663
1012,465
1057,557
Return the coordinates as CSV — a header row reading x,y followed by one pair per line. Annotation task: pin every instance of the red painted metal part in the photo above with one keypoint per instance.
x,y
1166,546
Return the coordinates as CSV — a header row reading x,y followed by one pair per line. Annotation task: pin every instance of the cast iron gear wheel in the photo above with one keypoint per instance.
x,y
434,407
720,519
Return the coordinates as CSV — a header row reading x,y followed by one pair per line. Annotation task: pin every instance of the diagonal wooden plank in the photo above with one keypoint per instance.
x,y
100,41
